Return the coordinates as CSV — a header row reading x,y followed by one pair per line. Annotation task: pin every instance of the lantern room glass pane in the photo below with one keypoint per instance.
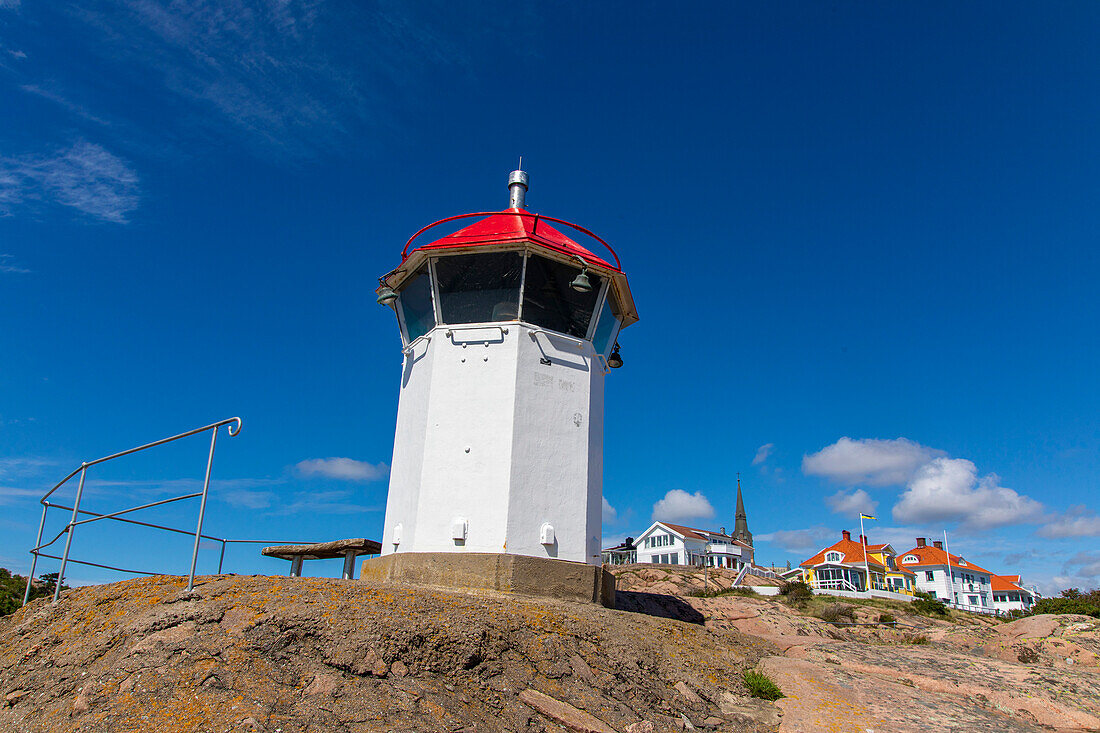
x,y
416,304
550,302
607,328
479,288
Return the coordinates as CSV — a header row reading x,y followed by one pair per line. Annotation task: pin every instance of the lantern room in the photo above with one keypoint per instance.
x,y
510,266
508,328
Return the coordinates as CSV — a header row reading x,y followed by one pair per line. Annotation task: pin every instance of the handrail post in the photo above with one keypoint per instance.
x,y
71,527
202,508
34,552
221,559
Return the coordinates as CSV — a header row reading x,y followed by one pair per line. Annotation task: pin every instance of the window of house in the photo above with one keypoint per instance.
x,y
833,557
674,558
910,558
928,575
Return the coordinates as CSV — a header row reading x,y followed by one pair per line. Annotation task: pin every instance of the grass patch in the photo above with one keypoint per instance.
x,y
760,685
886,618
833,612
747,592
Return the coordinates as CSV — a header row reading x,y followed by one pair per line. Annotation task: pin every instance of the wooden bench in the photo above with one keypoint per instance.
x,y
347,549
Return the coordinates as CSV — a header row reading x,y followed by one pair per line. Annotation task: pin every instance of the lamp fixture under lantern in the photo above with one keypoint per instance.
x,y
581,282
386,294
615,361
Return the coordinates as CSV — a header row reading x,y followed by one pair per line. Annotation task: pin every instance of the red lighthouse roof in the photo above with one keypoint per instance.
x,y
517,225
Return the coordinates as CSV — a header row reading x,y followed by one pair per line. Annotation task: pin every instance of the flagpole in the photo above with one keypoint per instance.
x,y
950,575
866,567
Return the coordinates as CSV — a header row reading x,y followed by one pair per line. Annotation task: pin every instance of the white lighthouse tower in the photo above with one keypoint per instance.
x,y
509,328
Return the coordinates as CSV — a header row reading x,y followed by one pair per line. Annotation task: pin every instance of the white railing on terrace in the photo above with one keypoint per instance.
x,y
835,584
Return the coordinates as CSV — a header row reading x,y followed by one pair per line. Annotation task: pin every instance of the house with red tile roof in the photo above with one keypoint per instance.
x,y
842,568
1010,594
951,578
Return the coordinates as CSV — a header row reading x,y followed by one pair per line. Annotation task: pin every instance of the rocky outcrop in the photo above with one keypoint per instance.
x,y
303,654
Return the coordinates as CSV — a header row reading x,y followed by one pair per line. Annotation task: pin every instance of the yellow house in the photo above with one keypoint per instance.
x,y
844,567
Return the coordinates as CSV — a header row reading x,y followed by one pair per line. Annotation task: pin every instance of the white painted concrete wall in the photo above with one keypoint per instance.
x,y
489,435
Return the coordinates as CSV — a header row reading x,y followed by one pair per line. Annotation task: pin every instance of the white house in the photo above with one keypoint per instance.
x,y
1010,594
950,578
675,544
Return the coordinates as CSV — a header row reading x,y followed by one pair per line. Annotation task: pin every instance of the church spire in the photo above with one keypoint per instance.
x,y
741,520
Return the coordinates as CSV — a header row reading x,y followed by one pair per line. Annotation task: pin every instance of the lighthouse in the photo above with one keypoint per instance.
x,y
508,328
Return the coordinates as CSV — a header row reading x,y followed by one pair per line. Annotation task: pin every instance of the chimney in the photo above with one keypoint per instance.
x,y
938,544
847,535
920,542
862,540
517,187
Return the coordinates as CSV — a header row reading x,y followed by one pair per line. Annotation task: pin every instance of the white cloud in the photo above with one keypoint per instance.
x,y
6,265
852,503
344,469
1085,564
762,453
324,502
678,505
11,494
609,513
85,177
869,461
248,499
1078,521
948,489
811,538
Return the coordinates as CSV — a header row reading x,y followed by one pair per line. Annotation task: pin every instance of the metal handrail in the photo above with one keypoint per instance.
x,y
234,428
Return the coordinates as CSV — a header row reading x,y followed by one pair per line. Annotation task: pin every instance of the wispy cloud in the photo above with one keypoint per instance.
x,y
63,102
1078,521
762,453
811,538
325,502
7,265
85,177
344,469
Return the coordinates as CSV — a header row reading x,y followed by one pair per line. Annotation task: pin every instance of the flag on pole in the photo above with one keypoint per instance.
x,y
865,516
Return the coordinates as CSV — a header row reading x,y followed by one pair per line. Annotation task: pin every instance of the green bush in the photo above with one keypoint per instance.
x,y
886,618
761,686
833,612
914,639
1072,600
928,604
12,588
796,591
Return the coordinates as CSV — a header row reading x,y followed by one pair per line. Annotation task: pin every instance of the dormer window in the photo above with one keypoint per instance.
x,y
910,558
833,557
961,561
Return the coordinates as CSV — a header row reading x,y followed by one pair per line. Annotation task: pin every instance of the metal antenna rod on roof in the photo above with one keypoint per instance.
x,y
517,187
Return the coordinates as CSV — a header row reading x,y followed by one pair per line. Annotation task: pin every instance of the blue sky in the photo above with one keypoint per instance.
x,y
861,238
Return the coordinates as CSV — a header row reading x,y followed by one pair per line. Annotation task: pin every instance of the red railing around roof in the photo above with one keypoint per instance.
x,y
510,212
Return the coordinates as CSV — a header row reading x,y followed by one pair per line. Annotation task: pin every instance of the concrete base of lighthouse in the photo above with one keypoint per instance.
x,y
520,574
